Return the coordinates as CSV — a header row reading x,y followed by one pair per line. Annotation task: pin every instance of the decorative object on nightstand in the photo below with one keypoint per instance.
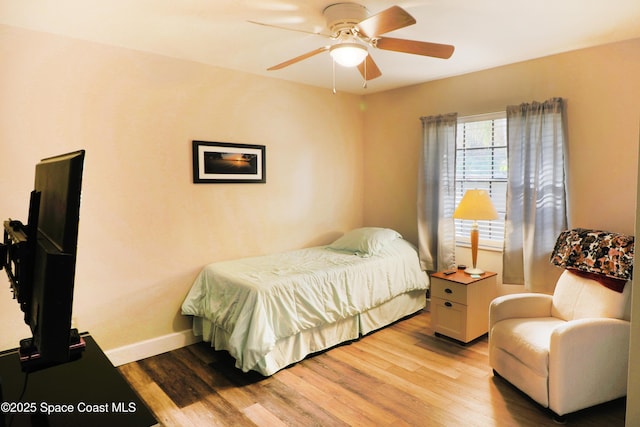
x,y
460,304
475,205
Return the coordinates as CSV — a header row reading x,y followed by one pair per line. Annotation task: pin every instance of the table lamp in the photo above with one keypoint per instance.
x,y
475,205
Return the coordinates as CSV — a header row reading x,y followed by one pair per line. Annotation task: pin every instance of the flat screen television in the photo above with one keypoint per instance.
x,y
40,259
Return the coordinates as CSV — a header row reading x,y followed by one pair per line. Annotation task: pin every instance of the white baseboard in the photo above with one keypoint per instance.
x,y
152,347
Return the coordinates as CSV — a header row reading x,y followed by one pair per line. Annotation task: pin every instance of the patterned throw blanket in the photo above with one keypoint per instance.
x,y
604,256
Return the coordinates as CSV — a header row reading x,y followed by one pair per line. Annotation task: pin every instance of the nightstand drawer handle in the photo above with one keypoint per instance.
x,y
448,291
448,304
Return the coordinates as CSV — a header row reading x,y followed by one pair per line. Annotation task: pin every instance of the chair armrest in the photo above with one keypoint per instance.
x,y
588,362
519,305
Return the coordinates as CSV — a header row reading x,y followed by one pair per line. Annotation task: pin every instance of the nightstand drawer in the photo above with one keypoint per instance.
x,y
447,290
450,318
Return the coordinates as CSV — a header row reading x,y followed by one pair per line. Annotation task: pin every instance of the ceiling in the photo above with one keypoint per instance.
x,y
485,33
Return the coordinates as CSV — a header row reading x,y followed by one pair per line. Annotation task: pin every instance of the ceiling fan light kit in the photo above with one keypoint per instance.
x,y
348,54
353,28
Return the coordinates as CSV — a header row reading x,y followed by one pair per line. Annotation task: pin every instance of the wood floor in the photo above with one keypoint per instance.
x,y
401,375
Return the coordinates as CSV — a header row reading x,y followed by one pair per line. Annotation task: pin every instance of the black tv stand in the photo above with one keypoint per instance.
x,y
87,391
32,361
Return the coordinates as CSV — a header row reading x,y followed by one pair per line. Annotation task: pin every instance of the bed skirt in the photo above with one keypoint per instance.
x,y
295,348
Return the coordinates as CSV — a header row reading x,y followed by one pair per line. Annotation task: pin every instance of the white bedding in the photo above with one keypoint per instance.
x,y
260,301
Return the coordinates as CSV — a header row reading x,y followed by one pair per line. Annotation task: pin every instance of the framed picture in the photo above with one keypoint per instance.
x,y
224,162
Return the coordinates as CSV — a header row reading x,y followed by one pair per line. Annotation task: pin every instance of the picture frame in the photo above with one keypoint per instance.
x,y
225,162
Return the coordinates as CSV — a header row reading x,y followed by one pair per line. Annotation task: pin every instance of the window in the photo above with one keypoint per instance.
x,y
481,163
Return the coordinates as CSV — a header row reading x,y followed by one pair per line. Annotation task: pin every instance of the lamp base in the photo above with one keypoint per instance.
x,y
472,270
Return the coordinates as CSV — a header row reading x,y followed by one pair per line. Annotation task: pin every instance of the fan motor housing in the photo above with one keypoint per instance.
x,y
341,16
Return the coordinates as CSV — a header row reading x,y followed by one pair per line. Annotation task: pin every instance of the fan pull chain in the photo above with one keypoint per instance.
x,y
364,85
334,76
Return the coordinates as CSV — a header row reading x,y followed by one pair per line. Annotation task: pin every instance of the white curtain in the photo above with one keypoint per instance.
x,y
436,192
536,193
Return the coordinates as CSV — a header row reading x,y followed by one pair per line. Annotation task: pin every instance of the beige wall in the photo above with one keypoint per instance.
x,y
633,387
146,229
602,90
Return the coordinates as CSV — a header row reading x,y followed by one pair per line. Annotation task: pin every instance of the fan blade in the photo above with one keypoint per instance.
x,y
299,58
390,19
371,70
436,50
291,29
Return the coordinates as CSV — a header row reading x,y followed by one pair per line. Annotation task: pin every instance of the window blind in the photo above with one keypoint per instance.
x,y
481,163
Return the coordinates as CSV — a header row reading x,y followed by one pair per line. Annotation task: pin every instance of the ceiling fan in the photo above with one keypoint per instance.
x,y
354,30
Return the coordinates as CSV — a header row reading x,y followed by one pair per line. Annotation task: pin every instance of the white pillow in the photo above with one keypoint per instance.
x,y
365,241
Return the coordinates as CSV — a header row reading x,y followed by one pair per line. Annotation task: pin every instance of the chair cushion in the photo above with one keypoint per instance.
x,y
526,339
578,297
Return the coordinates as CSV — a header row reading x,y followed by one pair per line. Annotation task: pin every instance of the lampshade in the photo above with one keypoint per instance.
x,y
348,54
476,205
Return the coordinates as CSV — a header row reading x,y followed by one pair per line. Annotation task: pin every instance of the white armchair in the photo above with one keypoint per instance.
x,y
567,351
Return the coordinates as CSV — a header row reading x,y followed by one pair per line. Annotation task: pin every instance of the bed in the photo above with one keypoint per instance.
x,y
271,311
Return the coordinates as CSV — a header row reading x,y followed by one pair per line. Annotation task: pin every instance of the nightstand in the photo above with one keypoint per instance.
x,y
460,304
